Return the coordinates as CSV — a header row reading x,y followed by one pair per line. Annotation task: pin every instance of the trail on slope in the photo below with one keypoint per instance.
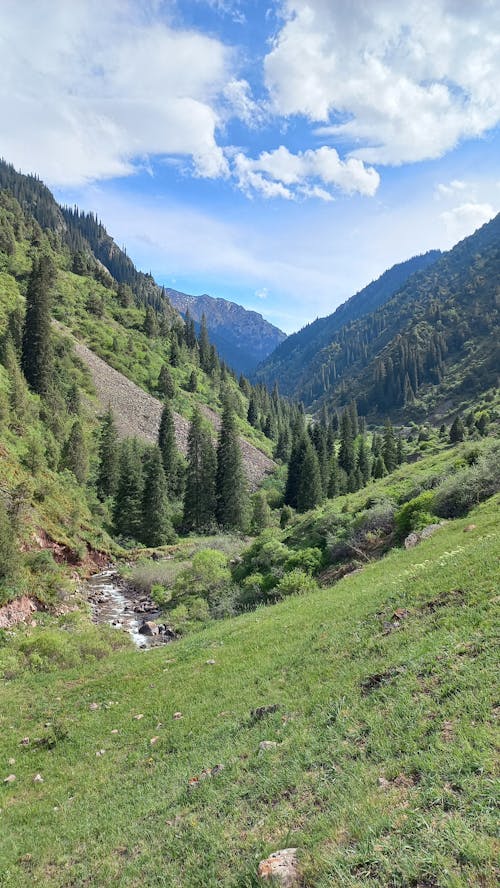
x,y
138,414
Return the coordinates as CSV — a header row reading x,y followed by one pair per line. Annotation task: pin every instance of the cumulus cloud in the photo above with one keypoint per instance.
x,y
450,189
280,173
88,88
238,95
466,218
400,82
262,293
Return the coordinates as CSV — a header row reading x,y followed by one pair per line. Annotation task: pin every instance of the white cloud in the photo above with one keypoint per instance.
x,y
465,219
399,81
262,293
450,189
280,173
89,88
238,95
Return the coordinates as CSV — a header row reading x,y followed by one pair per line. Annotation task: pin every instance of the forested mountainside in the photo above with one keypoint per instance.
x,y
92,248
430,347
292,362
243,338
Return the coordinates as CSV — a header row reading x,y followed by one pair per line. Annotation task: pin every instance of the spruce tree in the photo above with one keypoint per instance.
x,y
199,496
334,478
378,467
8,552
457,431
151,327
128,500
204,346
192,384
253,413
389,448
261,513
310,488
346,455
189,331
363,462
156,527
36,357
399,451
168,446
108,466
230,479
166,385
74,453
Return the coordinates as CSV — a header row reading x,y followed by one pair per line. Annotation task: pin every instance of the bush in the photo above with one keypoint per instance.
x,y
309,560
297,582
207,579
469,486
415,514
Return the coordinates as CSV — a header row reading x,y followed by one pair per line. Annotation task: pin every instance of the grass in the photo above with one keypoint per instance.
x,y
382,776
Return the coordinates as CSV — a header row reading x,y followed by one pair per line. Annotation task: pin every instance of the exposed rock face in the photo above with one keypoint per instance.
x,y
16,612
138,414
282,867
149,628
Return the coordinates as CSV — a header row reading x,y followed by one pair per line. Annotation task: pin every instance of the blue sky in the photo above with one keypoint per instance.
x,y
280,154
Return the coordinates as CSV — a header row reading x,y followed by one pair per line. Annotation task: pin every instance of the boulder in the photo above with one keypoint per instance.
x,y
149,628
413,539
282,867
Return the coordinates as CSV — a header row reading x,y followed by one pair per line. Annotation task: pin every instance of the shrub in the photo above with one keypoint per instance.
x,y
208,579
309,560
297,582
469,486
415,514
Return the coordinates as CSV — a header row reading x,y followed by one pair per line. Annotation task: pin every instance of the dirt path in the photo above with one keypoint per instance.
x,y
138,414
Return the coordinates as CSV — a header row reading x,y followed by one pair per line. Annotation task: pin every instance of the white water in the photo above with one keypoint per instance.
x,y
116,609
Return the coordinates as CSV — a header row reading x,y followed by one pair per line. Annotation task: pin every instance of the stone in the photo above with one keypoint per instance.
x,y
10,778
93,707
12,761
149,628
25,741
114,731
265,745
177,715
138,717
383,783
413,539
38,778
100,752
154,740
469,528
210,662
282,867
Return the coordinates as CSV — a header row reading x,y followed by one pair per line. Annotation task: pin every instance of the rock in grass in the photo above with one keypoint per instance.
x,y
148,627
12,761
177,715
10,778
210,662
94,706
266,745
25,741
138,717
281,867
38,778
262,711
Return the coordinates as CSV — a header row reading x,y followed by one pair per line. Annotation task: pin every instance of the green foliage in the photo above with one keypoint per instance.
x,y
261,513
128,501
74,454
415,514
469,486
230,482
199,496
9,559
296,582
168,446
37,346
156,526
309,560
205,587
108,457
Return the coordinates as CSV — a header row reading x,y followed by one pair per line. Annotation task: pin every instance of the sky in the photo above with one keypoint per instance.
x,y
280,154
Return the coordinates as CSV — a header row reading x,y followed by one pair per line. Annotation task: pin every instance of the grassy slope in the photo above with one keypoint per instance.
x,y
127,817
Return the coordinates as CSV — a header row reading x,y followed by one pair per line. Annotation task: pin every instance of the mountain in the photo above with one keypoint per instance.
x,y
243,338
293,362
430,346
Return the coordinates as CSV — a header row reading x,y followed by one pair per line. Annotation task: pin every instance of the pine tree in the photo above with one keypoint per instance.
x,y
156,527
204,346
151,327
389,450
166,385
457,431
310,488
128,500
363,463
253,413
192,384
175,352
334,478
261,513
378,467
189,331
168,446
400,451
74,453
108,467
199,497
36,359
230,480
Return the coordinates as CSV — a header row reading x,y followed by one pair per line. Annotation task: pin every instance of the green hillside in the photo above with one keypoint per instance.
x,y
383,769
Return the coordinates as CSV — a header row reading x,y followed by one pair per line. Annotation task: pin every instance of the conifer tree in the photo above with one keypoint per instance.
x,y
189,331
107,473
74,453
204,346
192,384
175,353
334,478
261,513
378,467
457,431
389,449
128,500
168,446
36,358
252,413
151,326
199,497
310,488
8,552
399,451
166,385
156,527
346,455
363,463
230,480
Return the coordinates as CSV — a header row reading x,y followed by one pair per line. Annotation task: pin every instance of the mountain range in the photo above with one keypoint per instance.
x,y
242,337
